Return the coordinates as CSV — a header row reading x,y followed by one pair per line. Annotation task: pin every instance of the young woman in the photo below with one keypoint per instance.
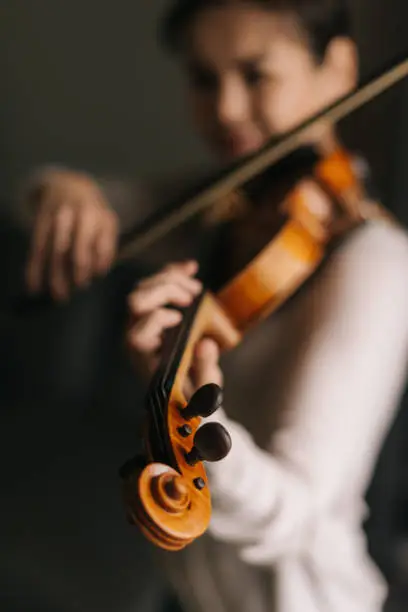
x,y
311,392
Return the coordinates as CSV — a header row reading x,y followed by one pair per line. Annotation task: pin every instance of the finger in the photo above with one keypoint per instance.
x,y
87,227
63,234
188,388
143,301
192,285
105,243
38,250
206,364
145,335
188,267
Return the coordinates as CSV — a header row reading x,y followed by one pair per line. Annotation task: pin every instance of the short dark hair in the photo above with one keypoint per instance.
x,y
320,20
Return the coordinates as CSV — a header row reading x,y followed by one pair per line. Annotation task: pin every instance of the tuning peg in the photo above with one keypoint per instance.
x,y
212,442
205,401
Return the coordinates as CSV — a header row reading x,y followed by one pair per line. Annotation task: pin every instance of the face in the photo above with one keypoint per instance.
x,y
251,77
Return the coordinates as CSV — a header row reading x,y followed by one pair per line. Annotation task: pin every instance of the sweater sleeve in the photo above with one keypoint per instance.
x,y
344,393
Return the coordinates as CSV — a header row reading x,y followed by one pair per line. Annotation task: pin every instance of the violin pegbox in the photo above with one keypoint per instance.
x,y
212,441
172,507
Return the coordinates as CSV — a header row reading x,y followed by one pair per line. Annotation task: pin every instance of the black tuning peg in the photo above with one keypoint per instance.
x,y
205,401
212,442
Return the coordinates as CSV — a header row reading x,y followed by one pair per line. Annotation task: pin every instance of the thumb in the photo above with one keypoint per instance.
x,y
206,367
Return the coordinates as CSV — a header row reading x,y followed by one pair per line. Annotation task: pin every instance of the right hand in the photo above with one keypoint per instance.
x,y
75,233
150,316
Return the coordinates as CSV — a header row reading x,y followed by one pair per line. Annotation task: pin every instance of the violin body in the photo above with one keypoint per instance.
x,y
167,493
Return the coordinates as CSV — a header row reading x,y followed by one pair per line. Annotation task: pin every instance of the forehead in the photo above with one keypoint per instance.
x,y
223,34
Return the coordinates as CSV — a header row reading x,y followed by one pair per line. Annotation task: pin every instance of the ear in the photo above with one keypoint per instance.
x,y
342,65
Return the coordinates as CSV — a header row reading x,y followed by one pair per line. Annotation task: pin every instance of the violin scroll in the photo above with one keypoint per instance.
x,y
172,506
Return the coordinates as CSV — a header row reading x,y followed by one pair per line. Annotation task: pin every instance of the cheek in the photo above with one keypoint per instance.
x,y
285,105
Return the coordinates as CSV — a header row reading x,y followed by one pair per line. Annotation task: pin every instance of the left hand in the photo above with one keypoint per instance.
x,y
174,285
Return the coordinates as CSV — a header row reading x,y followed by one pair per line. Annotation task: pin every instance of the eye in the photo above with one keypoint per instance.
x,y
253,76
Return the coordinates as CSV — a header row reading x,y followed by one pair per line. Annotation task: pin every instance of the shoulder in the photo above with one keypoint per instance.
x,y
377,247
365,282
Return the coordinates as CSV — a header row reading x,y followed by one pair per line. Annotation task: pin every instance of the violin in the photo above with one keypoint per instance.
x,y
166,490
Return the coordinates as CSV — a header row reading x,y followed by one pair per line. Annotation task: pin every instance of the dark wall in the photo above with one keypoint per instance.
x,y
84,83
381,30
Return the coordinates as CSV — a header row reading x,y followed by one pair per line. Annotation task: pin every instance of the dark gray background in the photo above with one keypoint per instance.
x,y
84,83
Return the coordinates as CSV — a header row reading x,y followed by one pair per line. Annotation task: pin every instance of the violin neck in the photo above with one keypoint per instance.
x,y
173,347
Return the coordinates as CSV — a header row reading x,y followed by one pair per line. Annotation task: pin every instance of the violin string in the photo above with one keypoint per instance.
x,y
266,157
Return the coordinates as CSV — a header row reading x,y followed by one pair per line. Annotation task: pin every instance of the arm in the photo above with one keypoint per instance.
x,y
344,394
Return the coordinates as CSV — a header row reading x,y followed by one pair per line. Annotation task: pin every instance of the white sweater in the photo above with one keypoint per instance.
x,y
309,397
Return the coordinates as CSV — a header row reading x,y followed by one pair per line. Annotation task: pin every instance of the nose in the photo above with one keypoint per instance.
x,y
232,103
